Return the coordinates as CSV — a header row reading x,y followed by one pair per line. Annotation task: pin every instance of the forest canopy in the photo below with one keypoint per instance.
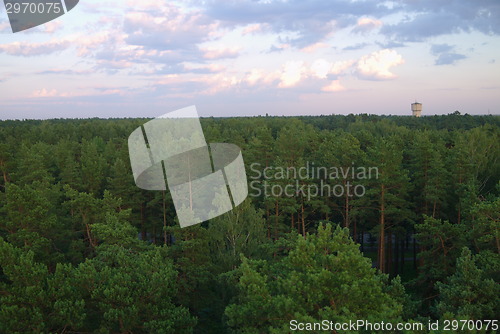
x,y
84,250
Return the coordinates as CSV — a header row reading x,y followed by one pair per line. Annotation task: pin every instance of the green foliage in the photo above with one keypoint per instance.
x,y
240,231
484,227
31,221
32,300
120,290
441,242
323,277
129,291
469,293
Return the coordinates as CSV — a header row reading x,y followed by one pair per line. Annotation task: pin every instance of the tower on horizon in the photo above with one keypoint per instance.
x,y
416,108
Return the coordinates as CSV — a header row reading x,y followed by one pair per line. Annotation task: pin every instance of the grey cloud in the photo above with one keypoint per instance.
x,y
309,20
275,48
449,58
177,31
424,26
193,87
181,68
437,49
434,18
64,72
178,37
391,45
173,41
445,54
356,46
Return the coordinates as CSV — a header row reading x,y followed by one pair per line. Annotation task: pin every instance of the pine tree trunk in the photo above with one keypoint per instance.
x,y
389,253
5,177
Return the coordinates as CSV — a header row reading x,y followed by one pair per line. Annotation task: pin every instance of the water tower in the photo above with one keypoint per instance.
x,y
416,108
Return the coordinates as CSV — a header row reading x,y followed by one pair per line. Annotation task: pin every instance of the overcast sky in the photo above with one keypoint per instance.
x,y
143,58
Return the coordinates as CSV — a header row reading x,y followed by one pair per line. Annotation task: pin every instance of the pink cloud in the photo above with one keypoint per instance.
x,y
52,26
218,53
34,49
314,47
253,28
377,65
293,72
44,92
334,86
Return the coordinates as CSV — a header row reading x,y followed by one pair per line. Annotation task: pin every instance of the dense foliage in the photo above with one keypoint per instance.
x,y
83,250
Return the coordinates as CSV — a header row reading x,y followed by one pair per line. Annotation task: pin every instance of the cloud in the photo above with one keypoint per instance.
x,y
44,92
52,26
292,74
341,66
156,32
308,76
334,86
445,54
254,28
314,47
429,18
424,26
64,72
279,47
260,77
203,69
320,68
355,47
46,28
221,52
390,44
310,21
366,24
34,49
441,48
377,65
449,58
296,75
168,28
85,44
145,4
5,25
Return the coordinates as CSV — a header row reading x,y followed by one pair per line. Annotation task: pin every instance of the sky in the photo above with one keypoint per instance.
x,y
144,58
